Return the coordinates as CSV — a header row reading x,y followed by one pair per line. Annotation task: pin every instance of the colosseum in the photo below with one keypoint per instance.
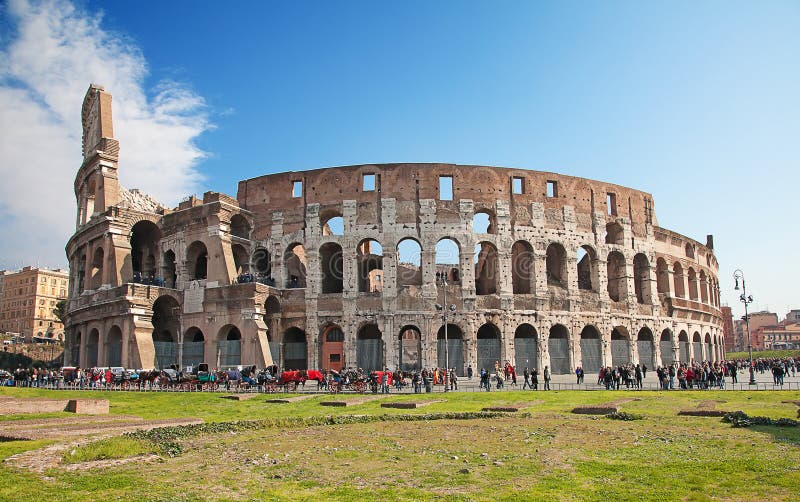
x,y
372,266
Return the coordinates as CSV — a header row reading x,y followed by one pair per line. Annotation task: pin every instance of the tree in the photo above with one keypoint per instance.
x,y
60,310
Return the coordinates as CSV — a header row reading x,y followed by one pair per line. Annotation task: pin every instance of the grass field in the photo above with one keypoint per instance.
x,y
543,452
763,354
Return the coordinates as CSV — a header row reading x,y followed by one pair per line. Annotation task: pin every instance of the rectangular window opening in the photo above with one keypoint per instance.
x,y
611,202
445,188
552,188
517,185
297,189
369,183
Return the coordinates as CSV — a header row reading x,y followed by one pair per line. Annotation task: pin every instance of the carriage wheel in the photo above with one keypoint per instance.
x,y
334,387
126,385
360,387
291,386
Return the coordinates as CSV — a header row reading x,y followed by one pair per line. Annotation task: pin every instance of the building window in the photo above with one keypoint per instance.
x,y
552,188
369,183
297,189
445,188
611,202
517,185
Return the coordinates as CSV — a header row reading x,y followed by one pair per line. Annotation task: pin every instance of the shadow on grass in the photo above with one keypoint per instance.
x,y
790,435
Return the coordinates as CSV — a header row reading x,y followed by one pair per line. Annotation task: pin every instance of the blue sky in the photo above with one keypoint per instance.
x,y
696,103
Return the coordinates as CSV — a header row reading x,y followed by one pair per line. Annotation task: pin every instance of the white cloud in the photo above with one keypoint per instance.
x,y
46,65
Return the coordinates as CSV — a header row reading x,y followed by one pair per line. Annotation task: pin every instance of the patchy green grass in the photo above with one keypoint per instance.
x,y
547,453
107,449
763,354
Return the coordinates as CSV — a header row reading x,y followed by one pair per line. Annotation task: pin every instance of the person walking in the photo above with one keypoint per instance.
x,y
535,379
527,376
385,381
546,378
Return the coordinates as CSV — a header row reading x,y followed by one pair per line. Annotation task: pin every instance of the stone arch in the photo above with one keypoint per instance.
x,y
229,346
240,227
620,346
197,261
261,265
193,347
114,346
369,348
369,257
144,240
455,348
294,261
98,262
697,347
667,356
617,280
684,347
272,306
677,275
588,270
169,271
662,276
641,279
558,346
484,222
709,348
692,280
526,347
703,287
523,274
332,357
331,222
614,233
556,265
488,345
331,262
591,349
645,345
92,347
410,348
448,260
241,260
295,349
166,324
409,262
486,268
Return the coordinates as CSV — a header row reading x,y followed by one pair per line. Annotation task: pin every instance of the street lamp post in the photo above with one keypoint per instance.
x,y
747,300
441,280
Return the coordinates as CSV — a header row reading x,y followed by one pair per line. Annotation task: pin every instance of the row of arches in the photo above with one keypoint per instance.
x,y
699,287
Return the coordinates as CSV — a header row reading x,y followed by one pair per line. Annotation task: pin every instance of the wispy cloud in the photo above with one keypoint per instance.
x,y
47,61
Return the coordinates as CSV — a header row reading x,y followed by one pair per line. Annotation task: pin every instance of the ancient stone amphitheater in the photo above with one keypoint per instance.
x,y
360,266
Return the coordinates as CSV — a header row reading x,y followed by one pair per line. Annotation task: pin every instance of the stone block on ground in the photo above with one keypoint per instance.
x,y
409,405
286,400
595,410
88,406
239,397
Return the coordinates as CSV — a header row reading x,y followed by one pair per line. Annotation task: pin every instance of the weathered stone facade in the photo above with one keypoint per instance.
x,y
562,272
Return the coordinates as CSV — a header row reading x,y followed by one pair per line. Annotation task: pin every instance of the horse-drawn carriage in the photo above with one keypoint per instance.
x,y
353,380
288,380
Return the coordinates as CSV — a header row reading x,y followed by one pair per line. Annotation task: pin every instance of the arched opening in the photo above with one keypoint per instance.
x,y
332,268
526,347
617,281
558,345
295,354
193,347
486,268
697,347
240,227
646,347
197,261
684,347
92,346
588,277
333,225
591,350
369,348
667,356
98,259
272,307
523,276
262,266
169,269
703,287
620,347
145,238
556,265
294,261
448,254
229,347
332,356
488,345
641,278
455,348
709,349
409,260
166,324
241,261
410,341
370,266
692,284
614,234
483,222
114,347
662,276
689,250
677,276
